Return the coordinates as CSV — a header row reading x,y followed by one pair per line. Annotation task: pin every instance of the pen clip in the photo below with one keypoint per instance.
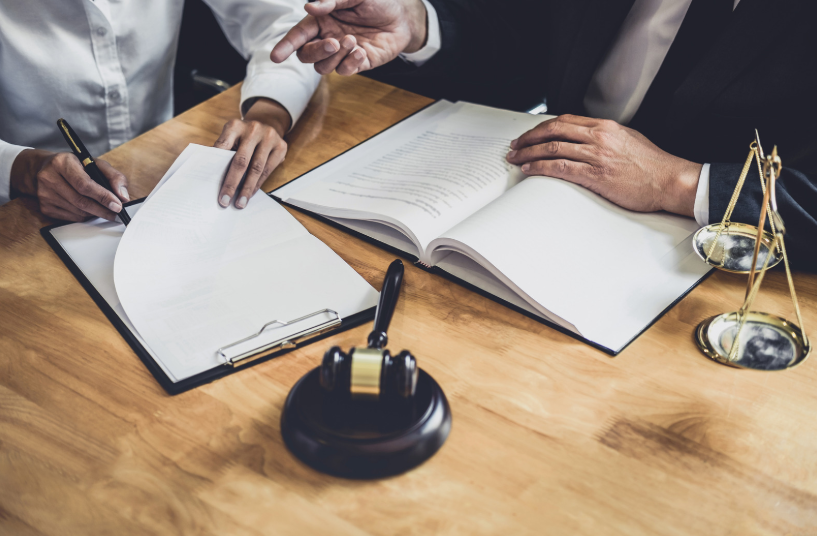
x,y
68,134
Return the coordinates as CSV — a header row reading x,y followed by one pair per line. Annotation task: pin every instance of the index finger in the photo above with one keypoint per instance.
x,y
558,128
75,175
300,34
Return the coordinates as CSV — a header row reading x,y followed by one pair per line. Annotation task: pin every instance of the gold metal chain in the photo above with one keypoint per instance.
x,y
735,195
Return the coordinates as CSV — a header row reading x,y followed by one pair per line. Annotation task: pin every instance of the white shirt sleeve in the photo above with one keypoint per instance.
x,y
8,153
701,209
253,27
434,42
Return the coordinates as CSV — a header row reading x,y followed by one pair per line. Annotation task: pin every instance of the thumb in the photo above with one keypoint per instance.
x,y
320,8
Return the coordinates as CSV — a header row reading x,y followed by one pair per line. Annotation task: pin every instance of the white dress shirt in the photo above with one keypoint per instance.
x,y
107,67
622,79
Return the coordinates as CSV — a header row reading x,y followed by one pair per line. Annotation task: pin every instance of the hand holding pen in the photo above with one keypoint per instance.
x,y
75,187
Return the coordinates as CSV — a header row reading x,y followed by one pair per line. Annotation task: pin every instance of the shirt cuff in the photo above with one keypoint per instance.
x,y
290,84
434,42
8,153
701,209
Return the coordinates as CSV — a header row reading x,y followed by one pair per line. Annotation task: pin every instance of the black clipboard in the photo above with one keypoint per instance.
x,y
442,273
171,387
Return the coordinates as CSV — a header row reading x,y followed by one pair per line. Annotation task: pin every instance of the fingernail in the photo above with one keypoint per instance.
x,y
511,154
525,167
114,206
242,202
124,192
359,54
225,200
513,144
329,47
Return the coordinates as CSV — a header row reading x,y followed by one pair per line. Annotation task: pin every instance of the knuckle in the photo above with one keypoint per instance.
x,y
85,204
608,125
553,147
240,161
302,34
84,188
601,135
257,167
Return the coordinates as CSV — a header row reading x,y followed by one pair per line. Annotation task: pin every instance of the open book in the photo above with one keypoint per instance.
x,y
437,187
188,278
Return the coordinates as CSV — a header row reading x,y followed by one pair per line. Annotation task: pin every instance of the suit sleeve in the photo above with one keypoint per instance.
x,y
796,202
486,47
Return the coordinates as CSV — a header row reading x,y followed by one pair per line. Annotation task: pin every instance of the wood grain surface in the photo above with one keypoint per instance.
x,y
550,436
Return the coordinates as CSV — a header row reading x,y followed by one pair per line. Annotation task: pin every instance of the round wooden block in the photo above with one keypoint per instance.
x,y
364,439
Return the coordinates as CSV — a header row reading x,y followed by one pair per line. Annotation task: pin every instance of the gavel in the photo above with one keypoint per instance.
x,y
372,373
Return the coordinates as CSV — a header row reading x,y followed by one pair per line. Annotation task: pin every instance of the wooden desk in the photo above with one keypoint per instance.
x,y
550,436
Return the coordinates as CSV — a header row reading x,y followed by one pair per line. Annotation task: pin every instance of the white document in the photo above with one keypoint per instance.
x,y
603,269
439,187
425,178
188,277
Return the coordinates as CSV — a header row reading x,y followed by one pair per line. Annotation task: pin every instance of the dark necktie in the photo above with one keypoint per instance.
x,y
702,26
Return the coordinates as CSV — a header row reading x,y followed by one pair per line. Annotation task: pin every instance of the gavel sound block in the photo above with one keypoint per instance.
x,y
365,413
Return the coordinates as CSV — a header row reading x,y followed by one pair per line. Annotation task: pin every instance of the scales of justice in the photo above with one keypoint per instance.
x,y
746,338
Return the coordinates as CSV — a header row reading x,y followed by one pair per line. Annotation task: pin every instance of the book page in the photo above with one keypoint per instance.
x,y
606,270
194,277
426,180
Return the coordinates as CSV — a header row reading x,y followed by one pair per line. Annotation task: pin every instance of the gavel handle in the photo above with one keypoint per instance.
x,y
385,307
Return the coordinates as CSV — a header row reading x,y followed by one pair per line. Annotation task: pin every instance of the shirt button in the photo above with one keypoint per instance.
x,y
101,32
115,95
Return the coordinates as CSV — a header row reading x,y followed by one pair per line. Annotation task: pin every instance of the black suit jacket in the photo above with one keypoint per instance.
x,y
760,74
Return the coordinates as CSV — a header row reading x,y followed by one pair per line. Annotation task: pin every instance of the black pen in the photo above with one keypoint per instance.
x,y
88,163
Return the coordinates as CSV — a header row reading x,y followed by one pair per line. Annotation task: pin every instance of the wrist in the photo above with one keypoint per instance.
x,y
418,26
679,195
270,113
24,171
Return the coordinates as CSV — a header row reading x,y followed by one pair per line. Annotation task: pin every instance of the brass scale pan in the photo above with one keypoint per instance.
x,y
766,342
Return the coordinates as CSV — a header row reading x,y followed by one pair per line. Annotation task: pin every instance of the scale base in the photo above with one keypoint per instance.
x,y
766,342
364,439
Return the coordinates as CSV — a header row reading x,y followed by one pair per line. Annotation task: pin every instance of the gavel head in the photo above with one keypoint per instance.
x,y
369,374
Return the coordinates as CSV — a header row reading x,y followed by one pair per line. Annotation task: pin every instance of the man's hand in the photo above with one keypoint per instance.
x,y
260,147
613,161
351,36
63,188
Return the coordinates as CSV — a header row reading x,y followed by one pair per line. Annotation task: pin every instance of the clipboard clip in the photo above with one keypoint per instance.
x,y
290,341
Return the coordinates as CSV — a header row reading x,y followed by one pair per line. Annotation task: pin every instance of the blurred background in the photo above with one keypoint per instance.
x,y
206,63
